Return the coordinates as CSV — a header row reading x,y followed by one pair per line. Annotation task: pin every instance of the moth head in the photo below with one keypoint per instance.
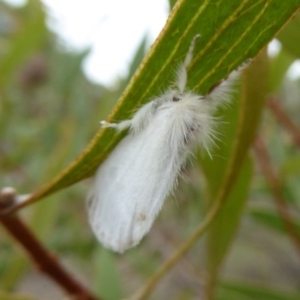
x,y
175,96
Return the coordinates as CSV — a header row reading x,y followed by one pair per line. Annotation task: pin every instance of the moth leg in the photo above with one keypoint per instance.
x,y
143,116
141,119
220,93
181,75
118,126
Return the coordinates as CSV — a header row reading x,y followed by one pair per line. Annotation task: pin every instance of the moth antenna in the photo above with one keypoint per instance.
x,y
189,55
182,69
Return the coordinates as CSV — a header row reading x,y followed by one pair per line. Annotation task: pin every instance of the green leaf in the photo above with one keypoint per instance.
x,y
224,172
226,223
231,32
271,219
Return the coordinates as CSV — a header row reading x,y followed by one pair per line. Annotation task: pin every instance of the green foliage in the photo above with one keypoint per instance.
x,y
49,113
271,219
246,291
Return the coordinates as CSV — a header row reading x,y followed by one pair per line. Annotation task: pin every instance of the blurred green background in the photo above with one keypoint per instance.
x,y
49,111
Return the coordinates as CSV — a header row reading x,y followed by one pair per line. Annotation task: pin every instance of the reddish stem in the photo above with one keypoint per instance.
x,y
45,261
265,164
285,120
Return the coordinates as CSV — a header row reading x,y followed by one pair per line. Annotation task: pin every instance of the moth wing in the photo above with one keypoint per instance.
x,y
130,187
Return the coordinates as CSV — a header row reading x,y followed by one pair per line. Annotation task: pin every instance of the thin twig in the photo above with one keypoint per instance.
x,y
265,164
45,261
284,119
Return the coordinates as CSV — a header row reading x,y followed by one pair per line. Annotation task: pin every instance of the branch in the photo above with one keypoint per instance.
x,y
265,164
285,120
45,261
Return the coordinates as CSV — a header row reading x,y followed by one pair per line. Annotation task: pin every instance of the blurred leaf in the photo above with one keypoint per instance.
x,y
237,30
271,219
257,292
65,70
5,296
226,223
291,166
289,35
278,67
229,294
107,280
226,174
172,3
137,59
11,268
25,42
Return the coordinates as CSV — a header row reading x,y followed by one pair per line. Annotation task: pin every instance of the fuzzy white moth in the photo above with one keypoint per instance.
x,y
131,185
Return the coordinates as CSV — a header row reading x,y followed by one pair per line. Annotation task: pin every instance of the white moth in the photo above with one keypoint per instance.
x,y
131,185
